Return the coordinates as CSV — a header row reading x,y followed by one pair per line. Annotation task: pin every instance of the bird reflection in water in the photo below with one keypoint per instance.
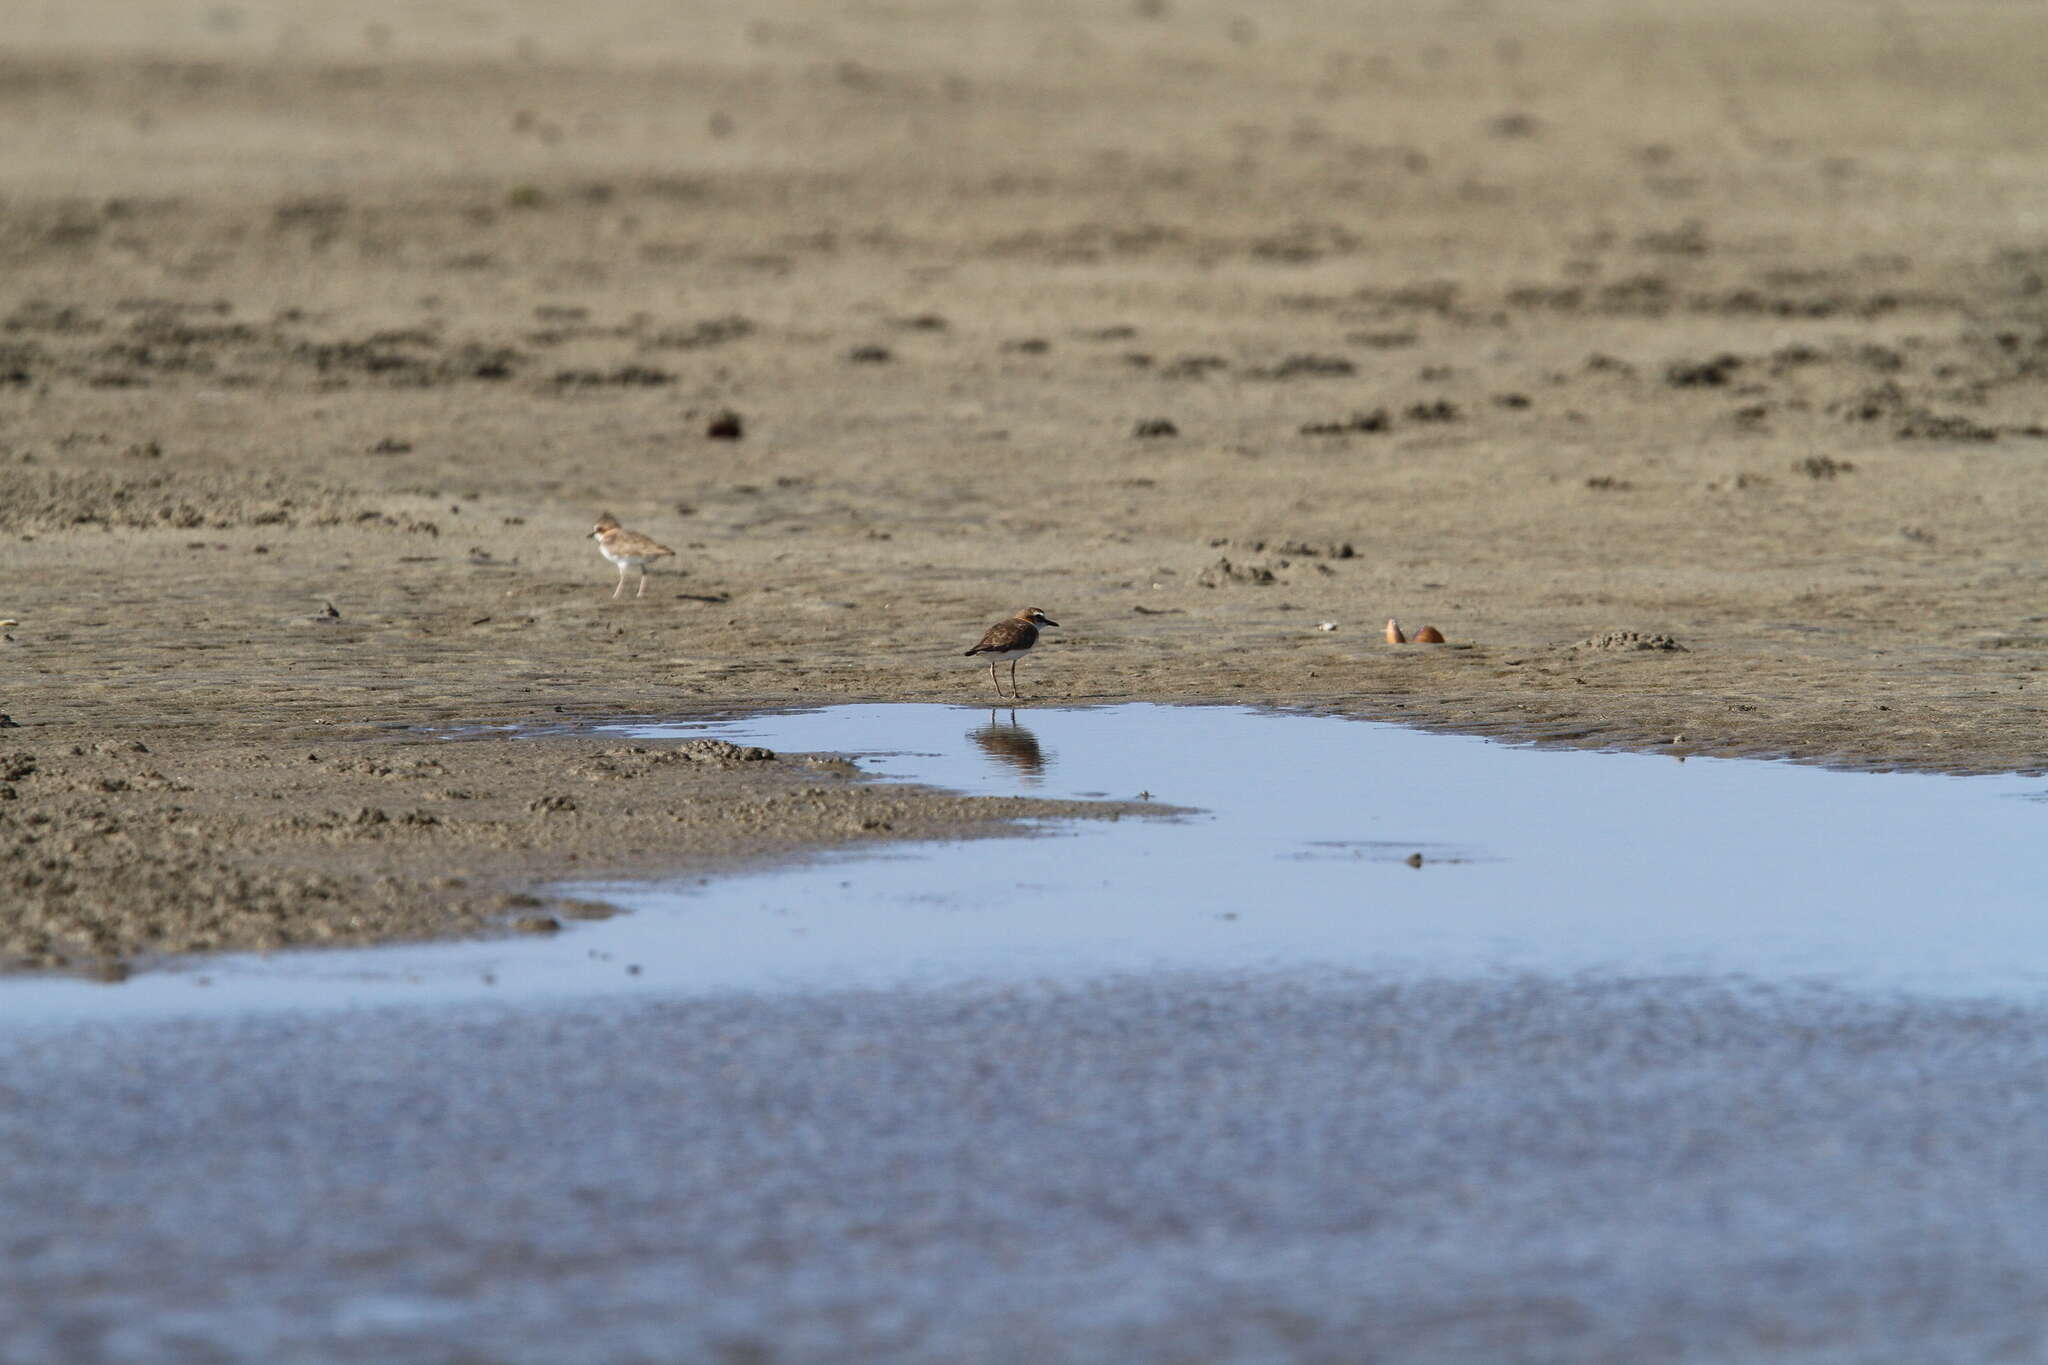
x,y
1011,743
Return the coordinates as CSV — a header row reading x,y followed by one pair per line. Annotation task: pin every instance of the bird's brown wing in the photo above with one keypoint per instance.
x,y
1005,635
638,546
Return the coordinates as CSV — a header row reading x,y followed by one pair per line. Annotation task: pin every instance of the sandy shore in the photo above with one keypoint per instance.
x,y
1560,333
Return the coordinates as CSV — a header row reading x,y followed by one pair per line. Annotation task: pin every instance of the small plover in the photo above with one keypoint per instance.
x,y
628,550
1012,640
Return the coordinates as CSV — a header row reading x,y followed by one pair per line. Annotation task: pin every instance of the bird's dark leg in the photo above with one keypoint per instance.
x,y
1013,678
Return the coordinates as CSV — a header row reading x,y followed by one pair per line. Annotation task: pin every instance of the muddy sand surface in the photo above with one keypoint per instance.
x,y
1683,365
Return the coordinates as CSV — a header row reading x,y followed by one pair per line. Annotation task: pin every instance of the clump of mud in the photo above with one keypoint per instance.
x,y
632,760
1226,572
1629,640
99,887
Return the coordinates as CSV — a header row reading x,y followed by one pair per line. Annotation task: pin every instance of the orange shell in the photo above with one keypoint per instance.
x,y
1394,635
1429,635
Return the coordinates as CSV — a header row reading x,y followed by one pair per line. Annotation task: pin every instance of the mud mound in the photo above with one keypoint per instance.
x,y
1629,640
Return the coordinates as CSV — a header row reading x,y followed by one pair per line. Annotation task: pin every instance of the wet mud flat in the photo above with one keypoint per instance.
x,y
1696,400
1225,1167
121,854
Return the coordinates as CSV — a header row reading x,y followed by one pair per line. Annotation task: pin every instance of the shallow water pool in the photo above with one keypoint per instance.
x,y
1327,841
1315,841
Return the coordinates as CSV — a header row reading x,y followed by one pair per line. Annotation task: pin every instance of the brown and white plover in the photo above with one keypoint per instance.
x,y
628,550
1012,640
